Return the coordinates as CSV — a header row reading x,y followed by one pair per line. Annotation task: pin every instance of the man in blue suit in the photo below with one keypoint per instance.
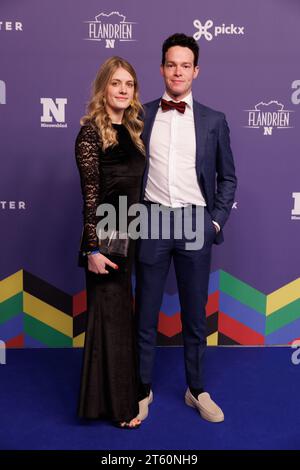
x,y
189,165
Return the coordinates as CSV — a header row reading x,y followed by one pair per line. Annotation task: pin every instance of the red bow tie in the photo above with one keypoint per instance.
x,y
167,105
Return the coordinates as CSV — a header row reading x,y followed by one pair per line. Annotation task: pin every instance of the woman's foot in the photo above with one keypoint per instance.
x,y
135,423
132,424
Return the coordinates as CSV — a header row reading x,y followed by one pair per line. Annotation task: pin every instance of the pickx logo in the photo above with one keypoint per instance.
x,y
267,116
295,213
53,110
110,28
209,31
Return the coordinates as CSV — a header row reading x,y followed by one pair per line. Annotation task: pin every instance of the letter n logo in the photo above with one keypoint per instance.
x,y
53,109
268,130
2,92
110,43
296,209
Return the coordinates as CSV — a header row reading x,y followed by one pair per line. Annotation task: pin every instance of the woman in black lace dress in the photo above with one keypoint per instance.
x,y
110,158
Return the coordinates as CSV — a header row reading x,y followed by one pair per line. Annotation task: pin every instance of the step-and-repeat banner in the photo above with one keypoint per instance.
x,y
249,69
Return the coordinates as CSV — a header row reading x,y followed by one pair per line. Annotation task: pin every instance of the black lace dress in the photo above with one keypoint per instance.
x,y
109,385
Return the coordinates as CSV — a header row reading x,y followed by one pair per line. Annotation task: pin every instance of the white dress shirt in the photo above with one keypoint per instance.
x,y
172,179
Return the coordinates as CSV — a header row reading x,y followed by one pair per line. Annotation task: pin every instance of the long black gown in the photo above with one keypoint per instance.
x,y
109,383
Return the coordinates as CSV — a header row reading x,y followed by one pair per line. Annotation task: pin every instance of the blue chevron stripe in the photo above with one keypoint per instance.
x,y
12,327
242,313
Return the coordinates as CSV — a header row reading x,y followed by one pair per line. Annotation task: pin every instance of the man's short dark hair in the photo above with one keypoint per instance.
x,y
180,39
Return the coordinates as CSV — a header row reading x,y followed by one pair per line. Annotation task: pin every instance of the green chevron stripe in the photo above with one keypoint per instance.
x,y
243,292
11,307
45,334
283,316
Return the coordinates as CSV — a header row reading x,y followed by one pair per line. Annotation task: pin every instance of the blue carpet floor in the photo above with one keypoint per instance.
x,y
258,389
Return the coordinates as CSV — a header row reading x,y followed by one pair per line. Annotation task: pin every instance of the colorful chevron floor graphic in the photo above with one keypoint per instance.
x,y
35,314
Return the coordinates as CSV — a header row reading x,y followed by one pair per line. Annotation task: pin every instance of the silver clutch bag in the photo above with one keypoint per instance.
x,y
113,243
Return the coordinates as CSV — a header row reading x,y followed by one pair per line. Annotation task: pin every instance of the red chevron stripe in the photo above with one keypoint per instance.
x,y
79,303
169,326
240,333
295,341
16,342
212,305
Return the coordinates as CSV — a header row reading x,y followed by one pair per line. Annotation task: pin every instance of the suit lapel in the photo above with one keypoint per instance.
x,y
201,130
150,111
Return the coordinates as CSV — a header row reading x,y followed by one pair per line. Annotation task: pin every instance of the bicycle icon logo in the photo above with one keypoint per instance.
x,y
203,30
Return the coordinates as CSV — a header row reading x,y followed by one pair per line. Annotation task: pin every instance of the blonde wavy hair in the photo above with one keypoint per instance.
x,y
97,115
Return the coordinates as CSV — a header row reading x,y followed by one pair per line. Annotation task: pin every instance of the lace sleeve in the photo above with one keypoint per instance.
x,y
87,158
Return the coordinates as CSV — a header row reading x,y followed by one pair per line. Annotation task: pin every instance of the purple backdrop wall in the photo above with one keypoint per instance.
x,y
49,50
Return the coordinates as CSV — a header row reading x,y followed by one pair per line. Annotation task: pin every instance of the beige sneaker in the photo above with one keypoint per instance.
x,y
144,407
207,408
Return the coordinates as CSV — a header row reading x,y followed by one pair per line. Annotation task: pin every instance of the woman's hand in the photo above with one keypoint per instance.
x,y
97,263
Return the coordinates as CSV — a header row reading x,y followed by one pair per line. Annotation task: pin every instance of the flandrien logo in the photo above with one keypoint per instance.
x,y
2,92
267,116
109,28
11,26
54,112
209,31
295,213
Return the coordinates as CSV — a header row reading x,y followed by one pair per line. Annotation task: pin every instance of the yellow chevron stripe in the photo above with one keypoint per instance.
x,y
47,314
212,340
78,341
283,296
11,285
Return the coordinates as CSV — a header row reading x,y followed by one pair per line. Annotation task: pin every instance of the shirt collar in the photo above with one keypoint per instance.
x,y
188,99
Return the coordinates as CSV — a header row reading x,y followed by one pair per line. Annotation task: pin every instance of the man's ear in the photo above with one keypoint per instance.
x,y
161,69
196,71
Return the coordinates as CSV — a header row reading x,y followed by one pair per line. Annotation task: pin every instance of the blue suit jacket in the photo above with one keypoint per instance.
x,y
214,161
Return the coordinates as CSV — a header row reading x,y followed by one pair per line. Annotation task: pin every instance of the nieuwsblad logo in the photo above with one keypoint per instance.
x,y
208,31
54,112
2,92
267,116
109,28
295,213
